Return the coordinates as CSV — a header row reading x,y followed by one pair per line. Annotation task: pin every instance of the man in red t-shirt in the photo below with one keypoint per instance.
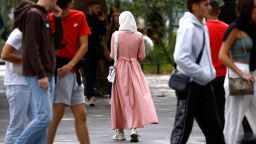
x,y
69,90
216,32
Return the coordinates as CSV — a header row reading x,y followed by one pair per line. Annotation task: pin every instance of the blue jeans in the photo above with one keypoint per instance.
x,y
36,131
20,106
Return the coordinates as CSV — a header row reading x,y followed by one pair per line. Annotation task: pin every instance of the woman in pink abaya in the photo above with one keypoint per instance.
x,y
132,105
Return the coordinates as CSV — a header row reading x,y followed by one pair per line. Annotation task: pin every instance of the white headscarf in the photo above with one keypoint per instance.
x,y
127,22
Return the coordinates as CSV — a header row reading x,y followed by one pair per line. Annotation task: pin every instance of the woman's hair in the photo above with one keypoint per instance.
x,y
19,13
63,4
244,23
245,8
191,2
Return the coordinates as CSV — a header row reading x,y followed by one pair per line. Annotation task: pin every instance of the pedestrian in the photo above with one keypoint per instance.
x,y
193,59
228,14
228,11
114,25
132,106
69,91
38,64
216,30
17,92
238,54
95,49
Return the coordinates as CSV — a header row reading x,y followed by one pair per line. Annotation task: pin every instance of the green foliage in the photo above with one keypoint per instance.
x,y
156,13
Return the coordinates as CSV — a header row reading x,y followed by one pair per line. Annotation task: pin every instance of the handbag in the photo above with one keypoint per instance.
x,y
112,69
240,86
180,82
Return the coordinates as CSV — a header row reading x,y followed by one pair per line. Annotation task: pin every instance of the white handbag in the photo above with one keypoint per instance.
x,y
112,69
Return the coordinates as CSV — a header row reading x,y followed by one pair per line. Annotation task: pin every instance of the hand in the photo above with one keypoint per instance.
x,y
248,77
43,83
64,70
107,56
57,11
102,18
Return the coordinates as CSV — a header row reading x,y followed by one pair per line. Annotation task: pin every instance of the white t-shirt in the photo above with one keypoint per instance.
x,y
11,77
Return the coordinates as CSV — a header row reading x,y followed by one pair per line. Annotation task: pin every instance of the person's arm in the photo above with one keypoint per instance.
x,y
225,58
106,50
32,35
55,21
8,54
32,40
141,53
183,55
112,46
58,33
79,55
84,31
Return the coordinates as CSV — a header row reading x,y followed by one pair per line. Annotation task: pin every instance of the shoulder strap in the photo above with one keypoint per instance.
x,y
198,60
115,47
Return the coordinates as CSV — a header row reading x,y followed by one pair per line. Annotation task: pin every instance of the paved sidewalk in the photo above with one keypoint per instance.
x,y
99,121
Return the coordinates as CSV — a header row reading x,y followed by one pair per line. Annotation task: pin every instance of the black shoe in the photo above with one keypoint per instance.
x,y
134,136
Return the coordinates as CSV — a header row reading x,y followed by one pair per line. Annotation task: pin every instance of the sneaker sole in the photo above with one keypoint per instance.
x,y
116,139
134,138
92,105
119,139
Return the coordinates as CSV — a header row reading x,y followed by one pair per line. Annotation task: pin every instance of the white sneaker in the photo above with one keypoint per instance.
x,y
134,136
92,101
119,136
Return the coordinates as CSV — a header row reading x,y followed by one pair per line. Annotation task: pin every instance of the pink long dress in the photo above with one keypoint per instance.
x,y
132,105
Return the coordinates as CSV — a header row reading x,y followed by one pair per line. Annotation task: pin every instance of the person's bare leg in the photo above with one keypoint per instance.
x,y
80,116
58,112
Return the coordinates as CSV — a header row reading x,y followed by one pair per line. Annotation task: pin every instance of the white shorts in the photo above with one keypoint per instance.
x,y
67,90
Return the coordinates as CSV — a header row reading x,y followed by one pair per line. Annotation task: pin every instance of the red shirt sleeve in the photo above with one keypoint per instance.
x,y
84,27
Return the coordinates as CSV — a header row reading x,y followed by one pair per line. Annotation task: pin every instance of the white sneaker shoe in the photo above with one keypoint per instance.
x,y
119,136
92,101
134,136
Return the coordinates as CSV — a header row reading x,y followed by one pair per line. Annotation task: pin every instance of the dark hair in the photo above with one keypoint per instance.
x,y
63,4
93,3
244,23
245,8
19,13
191,2
215,8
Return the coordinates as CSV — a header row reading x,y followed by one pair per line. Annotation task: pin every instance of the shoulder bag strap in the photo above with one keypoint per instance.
x,y
198,60
115,48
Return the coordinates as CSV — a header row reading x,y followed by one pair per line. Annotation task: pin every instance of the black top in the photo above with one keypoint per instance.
x,y
98,30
